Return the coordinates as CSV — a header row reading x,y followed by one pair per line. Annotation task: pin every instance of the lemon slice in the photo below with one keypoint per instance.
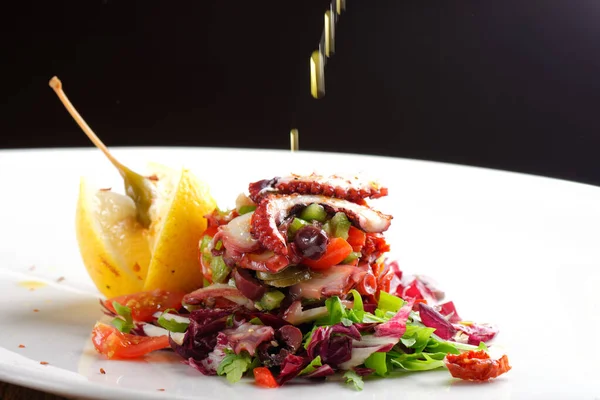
x,y
122,257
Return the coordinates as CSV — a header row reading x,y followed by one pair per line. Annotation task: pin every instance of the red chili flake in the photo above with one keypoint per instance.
x,y
36,310
102,371
161,390
153,177
62,278
21,346
44,362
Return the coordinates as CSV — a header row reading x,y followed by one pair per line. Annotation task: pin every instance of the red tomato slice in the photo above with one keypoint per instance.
x,y
144,304
356,238
476,365
264,378
337,250
114,344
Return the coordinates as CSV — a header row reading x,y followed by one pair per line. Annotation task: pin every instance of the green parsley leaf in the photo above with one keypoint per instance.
x,y
122,325
355,379
125,322
234,365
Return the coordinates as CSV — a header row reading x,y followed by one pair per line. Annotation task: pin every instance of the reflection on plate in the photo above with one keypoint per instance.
x,y
512,249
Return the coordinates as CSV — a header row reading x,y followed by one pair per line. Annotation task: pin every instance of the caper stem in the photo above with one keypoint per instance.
x,y
56,84
136,186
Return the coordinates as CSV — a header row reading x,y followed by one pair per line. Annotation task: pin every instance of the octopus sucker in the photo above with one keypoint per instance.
x,y
352,189
273,209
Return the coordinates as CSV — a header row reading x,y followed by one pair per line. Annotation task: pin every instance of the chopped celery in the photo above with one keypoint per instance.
x,y
351,257
294,227
270,300
327,228
246,209
340,225
205,253
314,212
220,270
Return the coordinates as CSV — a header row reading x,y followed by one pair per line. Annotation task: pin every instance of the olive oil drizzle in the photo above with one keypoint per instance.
x,y
318,58
294,140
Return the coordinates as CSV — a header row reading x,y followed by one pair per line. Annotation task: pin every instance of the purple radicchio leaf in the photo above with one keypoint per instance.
x,y
433,319
396,326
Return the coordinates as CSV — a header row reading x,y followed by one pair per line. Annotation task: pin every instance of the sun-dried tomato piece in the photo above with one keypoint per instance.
x,y
476,365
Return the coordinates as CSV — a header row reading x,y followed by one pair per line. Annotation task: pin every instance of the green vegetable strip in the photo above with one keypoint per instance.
x,y
377,362
314,364
314,212
172,325
220,270
351,257
388,302
295,226
341,225
246,209
270,300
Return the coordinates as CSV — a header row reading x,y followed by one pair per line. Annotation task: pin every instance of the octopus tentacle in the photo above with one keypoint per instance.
x,y
351,189
274,208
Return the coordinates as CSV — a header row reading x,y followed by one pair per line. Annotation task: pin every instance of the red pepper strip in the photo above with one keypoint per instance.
x,y
337,251
356,238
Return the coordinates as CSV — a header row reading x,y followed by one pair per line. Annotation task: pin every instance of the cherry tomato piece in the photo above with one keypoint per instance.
x,y
114,344
264,378
144,304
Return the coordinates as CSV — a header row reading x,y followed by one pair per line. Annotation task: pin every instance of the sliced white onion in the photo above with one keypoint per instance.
x,y
172,317
153,331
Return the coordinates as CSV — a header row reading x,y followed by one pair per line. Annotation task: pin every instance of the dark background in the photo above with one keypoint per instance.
x,y
508,84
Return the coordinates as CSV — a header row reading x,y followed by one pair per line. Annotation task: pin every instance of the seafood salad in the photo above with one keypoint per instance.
x,y
298,284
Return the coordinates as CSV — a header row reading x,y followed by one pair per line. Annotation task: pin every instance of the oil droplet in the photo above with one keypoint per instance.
x,y
32,285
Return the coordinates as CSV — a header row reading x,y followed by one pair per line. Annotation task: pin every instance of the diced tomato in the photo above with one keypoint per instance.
x,y
211,231
264,378
356,238
337,250
114,344
144,304
476,365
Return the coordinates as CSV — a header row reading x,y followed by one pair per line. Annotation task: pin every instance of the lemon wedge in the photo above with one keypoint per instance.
x,y
122,257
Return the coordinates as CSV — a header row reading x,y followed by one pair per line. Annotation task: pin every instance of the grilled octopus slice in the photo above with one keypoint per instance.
x,y
351,189
274,208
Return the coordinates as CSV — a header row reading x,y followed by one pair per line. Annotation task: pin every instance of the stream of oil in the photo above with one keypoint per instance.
x,y
318,58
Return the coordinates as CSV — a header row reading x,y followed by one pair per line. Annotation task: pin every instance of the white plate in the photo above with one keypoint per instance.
x,y
516,250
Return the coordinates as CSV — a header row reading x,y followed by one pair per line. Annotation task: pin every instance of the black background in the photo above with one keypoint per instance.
x,y
508,84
